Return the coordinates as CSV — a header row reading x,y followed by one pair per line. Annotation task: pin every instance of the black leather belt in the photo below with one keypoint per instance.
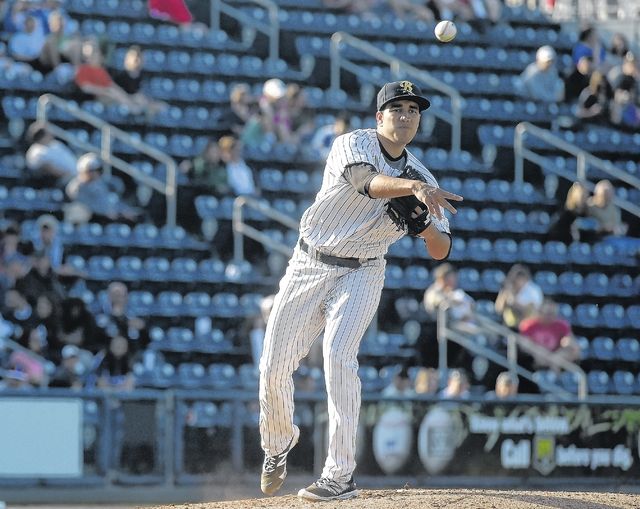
x,y
352,263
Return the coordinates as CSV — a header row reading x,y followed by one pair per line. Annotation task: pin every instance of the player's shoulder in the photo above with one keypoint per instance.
x,y
357,136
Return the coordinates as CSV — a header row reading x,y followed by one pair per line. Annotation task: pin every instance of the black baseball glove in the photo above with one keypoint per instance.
x,y
407,212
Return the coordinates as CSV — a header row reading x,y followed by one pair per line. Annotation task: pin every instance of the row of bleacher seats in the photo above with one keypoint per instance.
x,y
605,348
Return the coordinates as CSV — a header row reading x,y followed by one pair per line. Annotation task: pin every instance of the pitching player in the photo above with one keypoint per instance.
x,y
335,277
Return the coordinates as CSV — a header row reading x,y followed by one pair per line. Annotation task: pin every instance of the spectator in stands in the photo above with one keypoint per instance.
x,y
593,101
625,108
400,385
119,321
577,80
239,174
75,366
426,381
519,297
457,385
548,330
601,207
14,379
170,10
590,45
60,46
93,79
444,290
245,118
96,195
115,370
506,386
13,263
32,360
302,117
625,74
207,171
618,49
78,326
540,80
324,135
41,280
26,44
47,157
409,9
16,308
275,111
563,225
129,79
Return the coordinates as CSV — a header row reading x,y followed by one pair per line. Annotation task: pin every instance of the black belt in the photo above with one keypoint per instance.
x,y
352,263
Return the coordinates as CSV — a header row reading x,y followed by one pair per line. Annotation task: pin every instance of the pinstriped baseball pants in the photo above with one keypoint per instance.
x,y
314,296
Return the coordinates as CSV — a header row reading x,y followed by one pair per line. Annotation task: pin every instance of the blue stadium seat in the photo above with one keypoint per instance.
x,y
211,270
225,304
585,347
89,234
129,268
479,249
370,379
505,250
624,382
628,349
492,280
191,375
184,269
117,234
499,191
141,302
633,316
197,303
145,235
156,268
580,252
101,267
394,276
249,377
530,251
596,283
547,281
458,249
598,382
622,285
603,348
469,279
613,316
571,283
515,220
586,315
168,303
491,220
179,339
222,376
417,277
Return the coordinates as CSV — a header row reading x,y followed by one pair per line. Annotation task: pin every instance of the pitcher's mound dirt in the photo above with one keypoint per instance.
x,y
439,499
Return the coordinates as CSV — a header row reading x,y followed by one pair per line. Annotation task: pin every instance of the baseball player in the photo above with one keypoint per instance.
x,y
335,277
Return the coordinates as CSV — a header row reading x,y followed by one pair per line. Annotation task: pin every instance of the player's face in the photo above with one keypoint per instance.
x,y
399,121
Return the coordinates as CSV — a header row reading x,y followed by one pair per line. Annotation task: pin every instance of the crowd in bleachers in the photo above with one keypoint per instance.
x,y
108,300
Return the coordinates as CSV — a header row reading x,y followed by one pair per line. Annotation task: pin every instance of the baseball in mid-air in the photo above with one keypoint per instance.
x,y
446,31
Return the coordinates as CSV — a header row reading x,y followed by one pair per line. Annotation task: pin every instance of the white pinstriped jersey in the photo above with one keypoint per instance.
x,y
345,223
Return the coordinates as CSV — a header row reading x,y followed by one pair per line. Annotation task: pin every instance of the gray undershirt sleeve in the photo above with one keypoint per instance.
x,y
360,175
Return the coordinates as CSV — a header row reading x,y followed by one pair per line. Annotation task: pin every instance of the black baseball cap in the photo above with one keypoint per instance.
x,y
402,90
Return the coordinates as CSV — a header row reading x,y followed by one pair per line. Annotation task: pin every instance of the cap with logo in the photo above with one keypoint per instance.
x,y
401,90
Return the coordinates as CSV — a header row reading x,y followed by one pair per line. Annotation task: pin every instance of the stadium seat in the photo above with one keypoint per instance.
x,y
168,303
628,350
530,251
505,250
184,269
598,381
624,382
633,316
197,303
101,267
129,268
249,377
597,283
603,348
613,316
555,252
571,283
547,281
191,375
221,376
492,280
586,315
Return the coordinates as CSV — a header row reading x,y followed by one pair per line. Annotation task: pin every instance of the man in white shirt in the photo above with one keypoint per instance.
x,y
49,157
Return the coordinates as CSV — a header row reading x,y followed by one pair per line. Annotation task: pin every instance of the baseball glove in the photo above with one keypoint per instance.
x,y
407,212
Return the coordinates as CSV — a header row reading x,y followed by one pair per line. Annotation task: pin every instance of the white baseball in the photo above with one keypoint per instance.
x,y
446,31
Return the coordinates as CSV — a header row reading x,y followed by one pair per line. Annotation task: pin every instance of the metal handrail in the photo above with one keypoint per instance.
x,y
270,29
583,158
110,133
515,341
398,69
241,229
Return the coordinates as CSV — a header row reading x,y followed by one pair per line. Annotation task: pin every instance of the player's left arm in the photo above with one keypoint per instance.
x,y
438,243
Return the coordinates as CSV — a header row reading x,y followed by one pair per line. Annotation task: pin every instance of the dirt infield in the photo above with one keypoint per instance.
x,y
440,499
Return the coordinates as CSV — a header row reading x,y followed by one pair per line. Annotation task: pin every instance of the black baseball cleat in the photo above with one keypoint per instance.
x,y
328,489
274,468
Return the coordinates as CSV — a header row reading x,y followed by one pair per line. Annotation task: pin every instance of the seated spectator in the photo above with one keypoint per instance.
x,y
46,238
426,381
93,79
207,170
506,387
78,326
540,80
593,101
626,74
457,385
548,330
60,46
519,297
95,196
302,117
275,111
14,264
48,157
14,379
590,45
115,370
625,108
41,280
400,385
618,49
325,135
26,44
175,11
409,9
601,207
119,321
577,80
444,290
130,80
239,174
563,225
75,367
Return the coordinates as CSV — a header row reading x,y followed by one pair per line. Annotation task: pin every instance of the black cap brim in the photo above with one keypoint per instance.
x,y
422,102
